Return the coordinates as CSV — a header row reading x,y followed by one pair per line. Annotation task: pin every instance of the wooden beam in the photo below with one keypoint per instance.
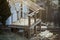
x,y
32,5
21,3
34,24
33,13
29,19
29,23
40,18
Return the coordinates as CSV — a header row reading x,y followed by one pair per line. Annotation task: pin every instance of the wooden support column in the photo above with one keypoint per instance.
x,y
29,23
21,3
47,10
29,19
40,13
35,22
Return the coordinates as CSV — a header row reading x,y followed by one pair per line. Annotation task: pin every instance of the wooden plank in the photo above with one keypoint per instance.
x,y
33,13
15,26
33,5
34,24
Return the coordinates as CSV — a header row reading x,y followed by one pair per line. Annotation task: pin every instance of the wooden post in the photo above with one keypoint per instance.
x,y
21,3
47,10
29,19
21,9
40,13
29,24
35,22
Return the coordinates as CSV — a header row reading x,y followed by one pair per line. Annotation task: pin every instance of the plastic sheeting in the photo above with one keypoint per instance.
x,y
14,9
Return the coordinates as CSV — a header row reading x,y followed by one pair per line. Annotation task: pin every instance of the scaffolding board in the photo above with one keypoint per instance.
x,y
23,22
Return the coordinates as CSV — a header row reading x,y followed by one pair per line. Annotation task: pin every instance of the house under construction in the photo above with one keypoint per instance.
x,y
33,19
